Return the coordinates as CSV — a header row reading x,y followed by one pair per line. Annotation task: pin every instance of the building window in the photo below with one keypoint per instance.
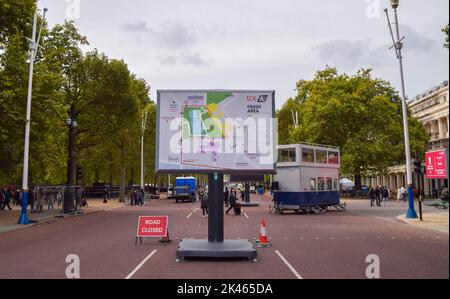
x,y
287,155
307,155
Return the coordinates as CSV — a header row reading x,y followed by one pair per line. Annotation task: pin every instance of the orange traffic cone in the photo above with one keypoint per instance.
x,y
263,240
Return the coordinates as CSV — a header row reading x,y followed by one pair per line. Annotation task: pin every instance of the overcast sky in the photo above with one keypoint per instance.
x,y
260,44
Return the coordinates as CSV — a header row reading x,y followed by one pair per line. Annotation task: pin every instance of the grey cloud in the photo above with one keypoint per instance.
x,y
193,59
138,26
350,54
414,41
170,35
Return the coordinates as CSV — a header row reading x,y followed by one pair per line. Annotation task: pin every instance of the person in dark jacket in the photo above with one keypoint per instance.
x,y
226,196
385,195
232,200
204,203
6,198
371,196
378,195
105,195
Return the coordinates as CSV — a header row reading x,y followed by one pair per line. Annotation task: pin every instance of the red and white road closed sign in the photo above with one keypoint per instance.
x,y
152,226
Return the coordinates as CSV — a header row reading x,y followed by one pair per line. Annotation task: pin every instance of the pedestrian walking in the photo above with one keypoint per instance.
x,y
105,195
371,195
232,201
6,199
378,196
385,195
131,195
2,200
140,197
204,203
226,196
403,193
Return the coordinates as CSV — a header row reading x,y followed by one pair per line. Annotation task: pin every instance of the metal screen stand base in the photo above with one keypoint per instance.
x,y
201,248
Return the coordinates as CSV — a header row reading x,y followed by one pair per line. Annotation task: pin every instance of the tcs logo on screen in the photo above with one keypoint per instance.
x,y
258,99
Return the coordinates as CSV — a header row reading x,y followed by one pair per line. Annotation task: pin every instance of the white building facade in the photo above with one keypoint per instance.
x,y
432,110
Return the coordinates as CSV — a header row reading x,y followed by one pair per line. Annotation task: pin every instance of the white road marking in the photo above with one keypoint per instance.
x,y
193,212
289,265
141,264
245,214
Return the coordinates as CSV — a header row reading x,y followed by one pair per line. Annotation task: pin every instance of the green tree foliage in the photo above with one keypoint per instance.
x,y
359,114
107,100
16,17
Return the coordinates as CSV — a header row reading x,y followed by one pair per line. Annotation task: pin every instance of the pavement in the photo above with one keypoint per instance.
x,y
333,245
8,219
433,218
438,221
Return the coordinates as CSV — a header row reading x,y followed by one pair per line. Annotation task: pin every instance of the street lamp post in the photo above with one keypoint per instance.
x,y
34,46
69,192
398,45
72,124
144,123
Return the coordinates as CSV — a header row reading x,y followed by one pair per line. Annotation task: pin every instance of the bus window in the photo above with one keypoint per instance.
x,y
335,184
321,156
321,184
329,184
307,155
312,183
333,158
287,155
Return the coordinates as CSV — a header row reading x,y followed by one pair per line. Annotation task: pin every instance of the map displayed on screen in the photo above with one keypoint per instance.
x,y
223,131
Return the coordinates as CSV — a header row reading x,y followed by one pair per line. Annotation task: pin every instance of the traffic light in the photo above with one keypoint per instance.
x,y
79,173
417,166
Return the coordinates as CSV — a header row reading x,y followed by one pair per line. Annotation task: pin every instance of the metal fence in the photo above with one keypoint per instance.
x,y
56,199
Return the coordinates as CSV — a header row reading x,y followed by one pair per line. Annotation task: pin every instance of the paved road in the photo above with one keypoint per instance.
x,y
333,245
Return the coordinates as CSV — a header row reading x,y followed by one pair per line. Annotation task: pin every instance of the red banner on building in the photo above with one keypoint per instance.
x,y
436,164
152,226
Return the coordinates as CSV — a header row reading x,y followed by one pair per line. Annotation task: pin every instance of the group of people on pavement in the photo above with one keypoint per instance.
x,y
7,195
379,196
137,197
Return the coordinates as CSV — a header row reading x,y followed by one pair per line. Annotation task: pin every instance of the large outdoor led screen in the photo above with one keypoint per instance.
x,y
216,131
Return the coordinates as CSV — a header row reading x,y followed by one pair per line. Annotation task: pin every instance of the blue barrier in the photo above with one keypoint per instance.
x,y
305,199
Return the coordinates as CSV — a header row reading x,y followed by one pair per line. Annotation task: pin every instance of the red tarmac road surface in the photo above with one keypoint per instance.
x,y
333,245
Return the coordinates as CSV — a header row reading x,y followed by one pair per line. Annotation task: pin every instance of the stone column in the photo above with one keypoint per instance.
x,y
441,129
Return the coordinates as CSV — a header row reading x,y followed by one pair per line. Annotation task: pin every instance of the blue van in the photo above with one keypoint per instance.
x,y
184,189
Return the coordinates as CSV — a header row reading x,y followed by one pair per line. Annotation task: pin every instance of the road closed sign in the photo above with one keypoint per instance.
x,y
152,226
436,164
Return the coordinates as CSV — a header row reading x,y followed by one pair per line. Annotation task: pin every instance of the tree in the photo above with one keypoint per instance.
x,y
16,17
445,31
287,124
106,100
45,134
359,114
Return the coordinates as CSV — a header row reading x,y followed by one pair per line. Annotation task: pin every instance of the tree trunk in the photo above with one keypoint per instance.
x,y
357,182
122,172
96,176
110,170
